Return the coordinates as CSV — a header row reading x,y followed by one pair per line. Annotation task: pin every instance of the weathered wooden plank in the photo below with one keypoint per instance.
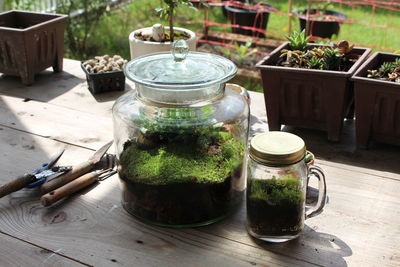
x,y
56,122
15,252
66,89
93,228
358,227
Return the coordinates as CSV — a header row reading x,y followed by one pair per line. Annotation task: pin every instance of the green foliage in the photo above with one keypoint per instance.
x,y
183,160
168,12
19,4
387,71
283,191
396,63
298,40
240,52
83,18
386,68
331,59
176,120
315,63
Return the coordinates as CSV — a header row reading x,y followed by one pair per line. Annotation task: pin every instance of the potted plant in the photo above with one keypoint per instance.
x,y
248,15
322,22
377,98
157,38
31,42
308,85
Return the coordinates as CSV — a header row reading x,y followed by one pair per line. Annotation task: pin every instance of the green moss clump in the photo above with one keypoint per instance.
x,y
275,207
284,191
183,159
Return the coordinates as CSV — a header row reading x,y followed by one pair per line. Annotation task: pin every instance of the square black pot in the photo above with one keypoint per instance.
x,y
105,82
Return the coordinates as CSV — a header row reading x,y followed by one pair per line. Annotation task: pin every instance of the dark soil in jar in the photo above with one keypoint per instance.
x,y
181,179
275,207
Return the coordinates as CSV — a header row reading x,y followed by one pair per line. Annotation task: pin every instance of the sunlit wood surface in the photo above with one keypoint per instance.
x,y
360,225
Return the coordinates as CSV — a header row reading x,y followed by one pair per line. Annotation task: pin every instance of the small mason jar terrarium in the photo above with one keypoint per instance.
x,y
181,139
276,187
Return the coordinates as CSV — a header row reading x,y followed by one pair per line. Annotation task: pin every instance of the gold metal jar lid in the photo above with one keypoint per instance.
x,y
277,148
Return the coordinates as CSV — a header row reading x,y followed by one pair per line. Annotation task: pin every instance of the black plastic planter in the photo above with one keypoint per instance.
x,y
105,82
323,23
377,104
256,16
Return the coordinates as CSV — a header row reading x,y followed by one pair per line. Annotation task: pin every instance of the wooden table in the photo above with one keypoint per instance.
x,y
360,225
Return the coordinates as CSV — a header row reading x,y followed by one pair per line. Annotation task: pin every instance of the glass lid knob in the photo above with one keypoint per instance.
x,y
180,49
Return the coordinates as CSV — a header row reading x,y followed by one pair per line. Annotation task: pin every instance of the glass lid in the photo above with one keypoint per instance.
x,y
180,69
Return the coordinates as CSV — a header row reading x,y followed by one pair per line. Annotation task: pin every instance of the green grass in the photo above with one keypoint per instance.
x,y
111,36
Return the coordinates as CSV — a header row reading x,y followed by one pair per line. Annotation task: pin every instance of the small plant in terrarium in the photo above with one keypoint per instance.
x,y
338,57
388,71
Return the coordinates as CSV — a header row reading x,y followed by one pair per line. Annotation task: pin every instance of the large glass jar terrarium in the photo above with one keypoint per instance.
x,y
181,139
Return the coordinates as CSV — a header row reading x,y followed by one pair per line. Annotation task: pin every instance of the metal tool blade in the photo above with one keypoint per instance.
x,y
55,158
100,153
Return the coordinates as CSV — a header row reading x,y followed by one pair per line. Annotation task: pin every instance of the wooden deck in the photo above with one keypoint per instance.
x,y
360,225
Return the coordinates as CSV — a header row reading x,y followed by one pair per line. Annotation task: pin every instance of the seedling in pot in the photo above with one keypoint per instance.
x,y
338,57
388,71
168,12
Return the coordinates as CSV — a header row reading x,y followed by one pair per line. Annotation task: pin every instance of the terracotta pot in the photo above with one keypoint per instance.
x,y
324,28
140,48
31,42
377,104
315,99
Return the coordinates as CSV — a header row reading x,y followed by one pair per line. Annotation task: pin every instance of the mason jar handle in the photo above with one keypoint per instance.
x,y
318,173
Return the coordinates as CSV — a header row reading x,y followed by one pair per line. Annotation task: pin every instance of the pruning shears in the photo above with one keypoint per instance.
x,y
37,177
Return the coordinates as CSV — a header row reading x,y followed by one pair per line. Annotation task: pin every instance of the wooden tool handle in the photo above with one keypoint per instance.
x,y
65,178
68,188
16,184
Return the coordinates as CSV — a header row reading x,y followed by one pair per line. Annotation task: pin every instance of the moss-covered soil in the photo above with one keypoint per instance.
x,y
181,180
192,158
275,207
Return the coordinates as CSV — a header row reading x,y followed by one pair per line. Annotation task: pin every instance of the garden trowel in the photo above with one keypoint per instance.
x,y
77,170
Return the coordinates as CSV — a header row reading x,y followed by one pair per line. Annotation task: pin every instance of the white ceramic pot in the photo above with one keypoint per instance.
x,y
140,48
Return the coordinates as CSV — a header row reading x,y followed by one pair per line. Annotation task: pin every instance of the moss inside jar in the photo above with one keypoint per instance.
x,y
275,207
180,139
184,177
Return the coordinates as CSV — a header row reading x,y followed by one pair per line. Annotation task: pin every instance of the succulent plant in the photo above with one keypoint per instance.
x,y
293,57
386,68
331,59
298,40
387,71
338,57
315,63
